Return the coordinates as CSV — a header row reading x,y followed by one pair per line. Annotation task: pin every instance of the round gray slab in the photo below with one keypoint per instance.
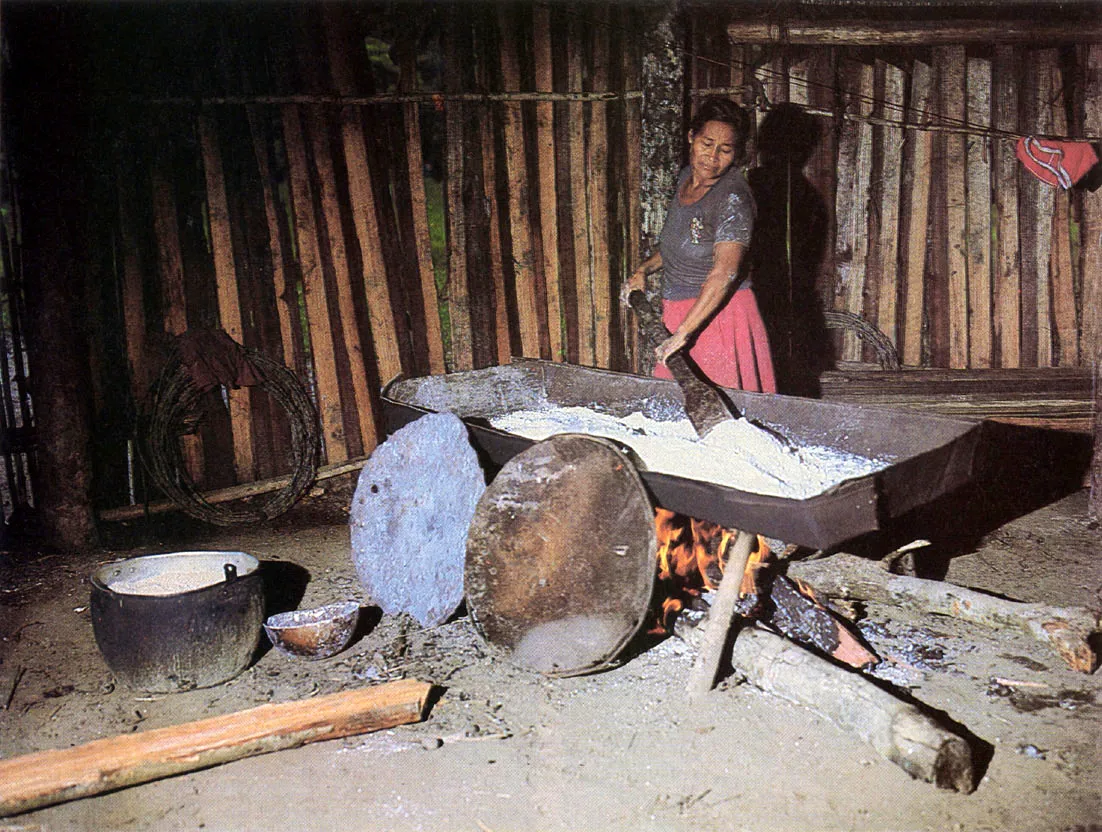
x,y
413,505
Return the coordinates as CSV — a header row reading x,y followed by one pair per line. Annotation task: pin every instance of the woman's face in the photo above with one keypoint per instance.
x,y
712,150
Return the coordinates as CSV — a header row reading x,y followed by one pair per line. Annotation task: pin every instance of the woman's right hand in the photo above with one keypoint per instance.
x,y
637,280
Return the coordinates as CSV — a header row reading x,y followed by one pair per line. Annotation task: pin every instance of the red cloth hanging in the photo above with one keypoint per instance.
x,y
1056,162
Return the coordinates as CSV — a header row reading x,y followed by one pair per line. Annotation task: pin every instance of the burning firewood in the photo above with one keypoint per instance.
x,y
1065,629
896,729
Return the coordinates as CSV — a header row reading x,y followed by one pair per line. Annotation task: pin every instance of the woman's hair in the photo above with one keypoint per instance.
x,y
728,112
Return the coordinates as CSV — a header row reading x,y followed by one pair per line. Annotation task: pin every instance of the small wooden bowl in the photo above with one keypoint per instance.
x,y
314,634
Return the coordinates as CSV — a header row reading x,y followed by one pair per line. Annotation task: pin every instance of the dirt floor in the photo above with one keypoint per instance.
x,y
506,749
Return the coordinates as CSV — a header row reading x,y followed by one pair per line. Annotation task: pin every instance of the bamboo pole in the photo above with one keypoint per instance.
x,y
891,162
950,61
380,310
45,778
411,119
917,216
459,307
1064,324
1091,233
229,297
361,404
852,204
583,274
1008,275
314,289
979,215
284,294
545,146
520,227
597,181
914,33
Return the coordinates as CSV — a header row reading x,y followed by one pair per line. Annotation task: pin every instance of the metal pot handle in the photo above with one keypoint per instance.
x,y
230,571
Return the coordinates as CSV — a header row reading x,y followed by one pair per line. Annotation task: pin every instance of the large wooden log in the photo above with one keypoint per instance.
x,y
848,33
1067,630
48,777
896,729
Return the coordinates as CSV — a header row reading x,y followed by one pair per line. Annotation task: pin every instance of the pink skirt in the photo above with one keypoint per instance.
x,y
733,350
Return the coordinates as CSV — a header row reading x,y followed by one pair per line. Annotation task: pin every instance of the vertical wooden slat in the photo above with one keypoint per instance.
x,y
979,214
502,343
1091,228
170,267
914,266
950,60
314,290
1066,329
545,146
407,82
229,298
597,166
379,308
459,307
1007,278
520,230
284,294
852,202
633,176
891,148
361,407
583,275
133,293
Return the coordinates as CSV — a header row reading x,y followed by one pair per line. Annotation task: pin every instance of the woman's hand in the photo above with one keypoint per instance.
x,y
671,345
636,281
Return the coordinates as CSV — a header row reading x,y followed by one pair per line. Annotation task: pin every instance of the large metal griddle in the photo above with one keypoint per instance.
x,y
930,456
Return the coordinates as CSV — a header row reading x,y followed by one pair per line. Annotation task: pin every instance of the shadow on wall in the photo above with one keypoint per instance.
x,y
789,240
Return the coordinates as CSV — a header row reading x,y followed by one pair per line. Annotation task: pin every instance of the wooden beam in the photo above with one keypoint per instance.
x,y
545,154
914,33
45,778
1008,272
895,729
921,158
978,113
229,296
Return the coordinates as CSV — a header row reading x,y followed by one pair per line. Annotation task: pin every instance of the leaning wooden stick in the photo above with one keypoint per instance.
x,y
48,777
1066,629
720,618
896,729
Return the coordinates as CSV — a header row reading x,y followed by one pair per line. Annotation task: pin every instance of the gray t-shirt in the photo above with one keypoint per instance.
x,y
723,215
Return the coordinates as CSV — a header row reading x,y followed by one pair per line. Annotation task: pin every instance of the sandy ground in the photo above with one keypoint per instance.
x,y
506,749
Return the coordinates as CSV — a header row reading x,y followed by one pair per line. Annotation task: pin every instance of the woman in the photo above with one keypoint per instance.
x,y
706,302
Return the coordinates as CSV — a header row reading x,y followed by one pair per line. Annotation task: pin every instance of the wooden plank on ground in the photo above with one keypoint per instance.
x,y
545,154
229,298
583,270
520,221
360,408
1008,274
914,266
979,214
891,165
407,82
950,60
314,289
597,165
32,781
852,201
1065,326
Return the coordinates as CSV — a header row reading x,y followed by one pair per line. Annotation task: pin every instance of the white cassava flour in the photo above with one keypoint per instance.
x,y
737,454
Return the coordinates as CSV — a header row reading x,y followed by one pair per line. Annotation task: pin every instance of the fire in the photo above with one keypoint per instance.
x,y
692,555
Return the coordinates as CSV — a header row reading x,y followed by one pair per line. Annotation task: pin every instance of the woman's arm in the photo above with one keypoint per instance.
x,y
721,281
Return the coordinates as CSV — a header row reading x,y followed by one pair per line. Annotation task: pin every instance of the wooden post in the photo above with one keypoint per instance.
x,y
133,292
920,158
502,341
459,307
633,176
583,271
597,181
45,778
314,289
891,163
1064,321
852,203
407,82
950,61
520,229
545,145
979,215
1091,260
229,297
1008,274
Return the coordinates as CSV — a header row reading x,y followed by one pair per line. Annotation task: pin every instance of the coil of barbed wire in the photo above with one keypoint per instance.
x,y
176,411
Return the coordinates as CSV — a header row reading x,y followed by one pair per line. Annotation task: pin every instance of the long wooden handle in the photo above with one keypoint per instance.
x,y
48,777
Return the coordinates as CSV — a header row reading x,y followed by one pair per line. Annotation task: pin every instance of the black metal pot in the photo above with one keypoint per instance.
x,y
178,621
